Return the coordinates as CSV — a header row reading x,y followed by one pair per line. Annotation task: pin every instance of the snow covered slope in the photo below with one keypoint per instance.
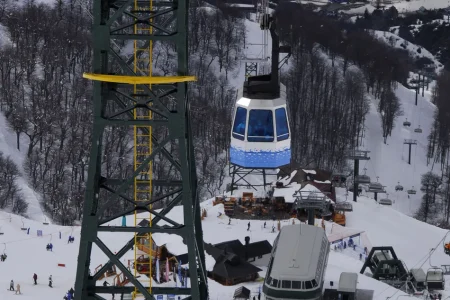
x,y
390,161
383,225
397,42
9,149
402,6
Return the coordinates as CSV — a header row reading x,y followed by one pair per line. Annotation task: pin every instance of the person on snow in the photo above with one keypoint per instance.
x,y
35,278
229,221
264,224
11,285
71,291
50,281
248,226
50,246
69,296
18,289
105,283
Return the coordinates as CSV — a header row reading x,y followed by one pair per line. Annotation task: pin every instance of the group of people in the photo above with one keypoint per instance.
x,y
3,257
71,239
49,247
35,277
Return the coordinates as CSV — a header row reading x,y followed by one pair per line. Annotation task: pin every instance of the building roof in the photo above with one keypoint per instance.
x,y
229,264
252,249
297,252
242,292
348,282
258,248
435,275
419,275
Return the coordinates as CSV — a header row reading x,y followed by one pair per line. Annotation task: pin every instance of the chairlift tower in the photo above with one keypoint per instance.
x,y
356,156
410,143
311,201
127,94
251,60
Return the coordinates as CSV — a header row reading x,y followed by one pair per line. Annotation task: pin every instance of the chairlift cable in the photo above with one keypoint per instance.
x,y
425,259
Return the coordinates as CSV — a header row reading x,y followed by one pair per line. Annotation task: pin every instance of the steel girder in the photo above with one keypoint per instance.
x,y
113,106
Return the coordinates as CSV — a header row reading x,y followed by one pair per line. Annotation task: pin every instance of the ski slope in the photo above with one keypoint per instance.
x,y
390,161
9,149
411,239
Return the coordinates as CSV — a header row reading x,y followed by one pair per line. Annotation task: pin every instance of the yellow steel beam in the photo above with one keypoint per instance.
x,y
142,140
138,79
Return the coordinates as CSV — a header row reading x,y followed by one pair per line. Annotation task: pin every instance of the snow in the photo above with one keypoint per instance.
x,y
287,192
390,161
310,171
402,6
8,147
396,42
383,226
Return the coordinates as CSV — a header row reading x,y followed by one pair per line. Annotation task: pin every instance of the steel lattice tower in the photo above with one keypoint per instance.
x,y
126,94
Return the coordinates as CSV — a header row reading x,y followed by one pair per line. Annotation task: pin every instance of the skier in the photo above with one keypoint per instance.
x,y
71,291
248,226
35,278
264,224
11,285
273,228
229,221
18,289
50,247
50,281
69,296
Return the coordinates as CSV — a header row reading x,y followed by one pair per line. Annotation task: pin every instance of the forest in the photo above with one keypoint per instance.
x,y
331,75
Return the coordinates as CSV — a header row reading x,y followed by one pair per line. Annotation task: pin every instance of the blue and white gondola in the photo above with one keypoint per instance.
x,y
260,135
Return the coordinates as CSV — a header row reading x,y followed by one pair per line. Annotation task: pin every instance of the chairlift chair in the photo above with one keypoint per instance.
x,y
412,191
362,179
385,201
23,225
447,248
398,187
418,130
407,123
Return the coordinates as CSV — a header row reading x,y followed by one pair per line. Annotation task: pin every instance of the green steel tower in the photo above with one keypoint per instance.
x,y
127,94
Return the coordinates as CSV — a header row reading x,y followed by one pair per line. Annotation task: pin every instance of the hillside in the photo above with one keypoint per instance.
x,y
401,5
382,225
9,149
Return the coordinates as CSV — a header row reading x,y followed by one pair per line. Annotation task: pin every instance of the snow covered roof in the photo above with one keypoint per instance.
x,y
310,171
287,192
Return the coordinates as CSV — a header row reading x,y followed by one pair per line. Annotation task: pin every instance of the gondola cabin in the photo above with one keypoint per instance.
x,y
260,135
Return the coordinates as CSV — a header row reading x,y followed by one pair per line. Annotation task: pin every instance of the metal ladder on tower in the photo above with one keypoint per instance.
x,y
143,52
